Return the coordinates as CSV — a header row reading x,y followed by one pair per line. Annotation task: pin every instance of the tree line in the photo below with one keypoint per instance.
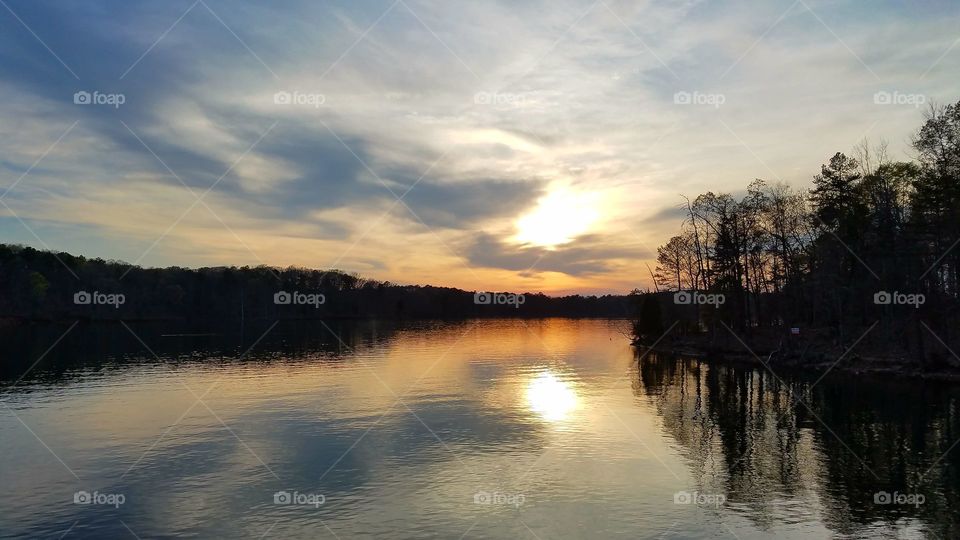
x,y
44,285
873,240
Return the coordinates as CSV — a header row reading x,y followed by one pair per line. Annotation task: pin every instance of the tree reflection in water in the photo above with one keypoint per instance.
x,y
784,447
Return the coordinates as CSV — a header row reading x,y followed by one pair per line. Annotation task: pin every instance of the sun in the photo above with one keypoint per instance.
x,y
558,218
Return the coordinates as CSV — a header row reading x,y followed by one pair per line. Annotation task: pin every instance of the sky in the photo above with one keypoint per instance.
x,y
524,146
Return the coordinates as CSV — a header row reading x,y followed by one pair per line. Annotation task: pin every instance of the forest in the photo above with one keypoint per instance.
x,y
867,253
44,285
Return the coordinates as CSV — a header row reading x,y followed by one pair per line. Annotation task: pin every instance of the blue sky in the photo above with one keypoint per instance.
x,y
533,146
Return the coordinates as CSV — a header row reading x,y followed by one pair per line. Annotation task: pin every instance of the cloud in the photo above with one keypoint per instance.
x,y
588,256
670,214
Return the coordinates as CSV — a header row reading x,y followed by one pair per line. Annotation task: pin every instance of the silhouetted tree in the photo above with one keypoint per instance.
x,y
868,225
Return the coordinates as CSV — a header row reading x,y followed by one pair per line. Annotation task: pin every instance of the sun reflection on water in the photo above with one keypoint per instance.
x,y
550,397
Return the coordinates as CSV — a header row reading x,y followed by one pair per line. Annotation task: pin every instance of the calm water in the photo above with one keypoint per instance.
x,y
477,429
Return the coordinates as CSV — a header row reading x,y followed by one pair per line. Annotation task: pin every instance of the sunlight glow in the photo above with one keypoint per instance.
x,y
558,218
550,397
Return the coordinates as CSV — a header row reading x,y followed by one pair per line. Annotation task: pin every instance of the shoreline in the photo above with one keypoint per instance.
x,y
883,367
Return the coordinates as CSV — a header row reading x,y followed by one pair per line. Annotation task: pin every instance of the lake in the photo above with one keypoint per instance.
x,y
534,429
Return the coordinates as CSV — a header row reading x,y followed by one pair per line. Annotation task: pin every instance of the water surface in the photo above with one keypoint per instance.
x,y
477,429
